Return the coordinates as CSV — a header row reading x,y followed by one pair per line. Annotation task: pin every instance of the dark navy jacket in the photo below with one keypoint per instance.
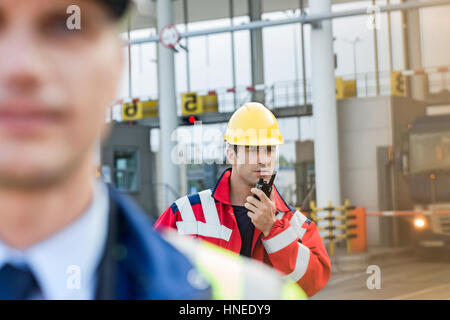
x,y
138,263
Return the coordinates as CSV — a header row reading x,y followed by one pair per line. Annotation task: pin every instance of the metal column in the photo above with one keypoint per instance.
x,y
188,66
391,64
167,107
326,153
233,58
375,50
256,47
130,80
413,53
302,29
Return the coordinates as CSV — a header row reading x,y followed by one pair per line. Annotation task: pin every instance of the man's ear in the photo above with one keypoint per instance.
x,y
231,155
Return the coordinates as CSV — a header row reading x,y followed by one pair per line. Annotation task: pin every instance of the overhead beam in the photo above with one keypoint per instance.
x,y
304,19
222,117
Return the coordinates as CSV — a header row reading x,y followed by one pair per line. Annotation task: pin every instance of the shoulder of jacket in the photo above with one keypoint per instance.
x,y
296,214
193,198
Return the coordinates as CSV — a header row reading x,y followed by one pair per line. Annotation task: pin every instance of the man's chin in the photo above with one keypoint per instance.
x,y
44,173
27,180
30,165
252,180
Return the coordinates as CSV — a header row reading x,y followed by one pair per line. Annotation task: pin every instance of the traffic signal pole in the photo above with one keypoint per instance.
x,y
170,177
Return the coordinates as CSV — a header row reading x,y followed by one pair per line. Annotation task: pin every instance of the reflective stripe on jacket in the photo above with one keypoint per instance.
x,y
293,246
233,277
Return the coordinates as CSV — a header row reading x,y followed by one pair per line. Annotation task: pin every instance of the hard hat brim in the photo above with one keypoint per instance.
x,y
246,142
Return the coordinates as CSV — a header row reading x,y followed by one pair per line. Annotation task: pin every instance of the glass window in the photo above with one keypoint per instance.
x,y
430,151
126,171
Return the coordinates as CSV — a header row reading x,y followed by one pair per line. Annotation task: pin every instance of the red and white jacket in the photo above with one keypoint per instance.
x,y
293,246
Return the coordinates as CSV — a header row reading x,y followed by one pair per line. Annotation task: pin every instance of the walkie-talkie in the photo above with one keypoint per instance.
x,y
266,187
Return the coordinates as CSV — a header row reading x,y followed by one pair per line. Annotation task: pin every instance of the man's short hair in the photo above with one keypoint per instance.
x,y
117,8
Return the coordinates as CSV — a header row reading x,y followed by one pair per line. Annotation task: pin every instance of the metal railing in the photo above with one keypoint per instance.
x,y
290,93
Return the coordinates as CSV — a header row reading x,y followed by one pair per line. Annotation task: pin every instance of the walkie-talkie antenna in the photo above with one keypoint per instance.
x,y
272,177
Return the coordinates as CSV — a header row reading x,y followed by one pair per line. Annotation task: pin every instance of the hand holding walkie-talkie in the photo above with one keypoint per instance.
x,y
266,187
262,212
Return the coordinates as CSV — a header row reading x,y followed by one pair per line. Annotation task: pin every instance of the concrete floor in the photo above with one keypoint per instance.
x,y
411,278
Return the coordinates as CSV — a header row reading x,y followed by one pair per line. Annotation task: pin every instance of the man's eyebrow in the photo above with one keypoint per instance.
x,y
88,17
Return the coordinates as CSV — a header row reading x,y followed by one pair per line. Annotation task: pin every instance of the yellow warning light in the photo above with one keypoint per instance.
x,y
419,222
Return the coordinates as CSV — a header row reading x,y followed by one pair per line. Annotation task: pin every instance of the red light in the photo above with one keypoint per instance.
x,y
192,119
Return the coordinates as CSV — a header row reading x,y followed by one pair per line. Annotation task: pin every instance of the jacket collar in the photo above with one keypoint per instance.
x,y
221,192
140,270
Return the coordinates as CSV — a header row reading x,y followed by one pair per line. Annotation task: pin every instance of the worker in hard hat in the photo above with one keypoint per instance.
x,y
264,228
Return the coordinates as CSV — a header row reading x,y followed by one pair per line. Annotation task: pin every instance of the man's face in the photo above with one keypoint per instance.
x,y
55,85
252,163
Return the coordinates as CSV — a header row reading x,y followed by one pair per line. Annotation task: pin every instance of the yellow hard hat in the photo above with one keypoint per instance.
x,y
253,125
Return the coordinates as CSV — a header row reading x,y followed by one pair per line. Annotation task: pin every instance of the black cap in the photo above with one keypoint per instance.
x,y
117,7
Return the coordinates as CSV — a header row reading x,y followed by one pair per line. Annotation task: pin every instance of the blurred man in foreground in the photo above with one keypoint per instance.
x,y
63,234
